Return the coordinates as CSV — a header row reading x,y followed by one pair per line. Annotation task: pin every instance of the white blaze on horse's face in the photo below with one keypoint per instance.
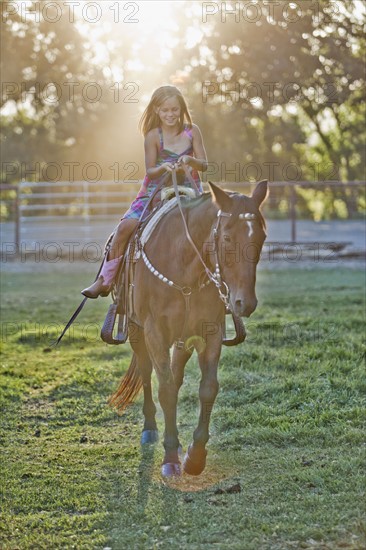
x,y
248,217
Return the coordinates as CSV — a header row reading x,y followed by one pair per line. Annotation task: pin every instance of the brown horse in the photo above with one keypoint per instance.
x,y
181,295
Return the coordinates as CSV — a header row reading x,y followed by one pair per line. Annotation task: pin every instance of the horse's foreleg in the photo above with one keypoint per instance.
x,y
195,459
168,393
180,358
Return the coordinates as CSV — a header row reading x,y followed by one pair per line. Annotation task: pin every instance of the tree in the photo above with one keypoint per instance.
x,y
282,75
48,89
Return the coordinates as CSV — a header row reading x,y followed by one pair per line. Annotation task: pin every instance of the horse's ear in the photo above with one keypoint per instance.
x,y
260,192
220,197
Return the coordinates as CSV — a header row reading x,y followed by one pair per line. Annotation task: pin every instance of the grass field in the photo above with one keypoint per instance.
x,y
286,433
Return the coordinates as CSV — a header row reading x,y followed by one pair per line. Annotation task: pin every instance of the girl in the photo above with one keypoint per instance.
x,y
170,141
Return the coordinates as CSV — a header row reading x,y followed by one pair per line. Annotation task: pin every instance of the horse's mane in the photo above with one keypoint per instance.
x,y
207,195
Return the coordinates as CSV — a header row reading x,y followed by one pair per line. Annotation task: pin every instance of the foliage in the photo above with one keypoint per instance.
x,y
277,88
40,82
282,76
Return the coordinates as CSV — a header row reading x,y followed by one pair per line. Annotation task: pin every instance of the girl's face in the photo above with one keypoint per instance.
x,y
169,112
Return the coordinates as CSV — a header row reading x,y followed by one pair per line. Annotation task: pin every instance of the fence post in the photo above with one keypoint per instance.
x,y
293,212
17,220
86,201
15,188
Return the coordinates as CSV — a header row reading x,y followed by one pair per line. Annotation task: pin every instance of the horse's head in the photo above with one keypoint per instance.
x,y
239,237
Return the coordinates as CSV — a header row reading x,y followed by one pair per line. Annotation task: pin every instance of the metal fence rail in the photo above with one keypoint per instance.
x,y
79,199
84,201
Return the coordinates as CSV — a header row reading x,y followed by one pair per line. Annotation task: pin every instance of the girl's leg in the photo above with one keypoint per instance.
x,y
121,237
102,286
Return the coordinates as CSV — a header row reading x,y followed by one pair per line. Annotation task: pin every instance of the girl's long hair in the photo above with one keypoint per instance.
x,y
150,119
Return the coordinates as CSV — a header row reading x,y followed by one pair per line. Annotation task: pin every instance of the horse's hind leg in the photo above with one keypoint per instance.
x,y
195,458
150,431
179,360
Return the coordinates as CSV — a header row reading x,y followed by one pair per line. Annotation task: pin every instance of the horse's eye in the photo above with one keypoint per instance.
x,y
227,238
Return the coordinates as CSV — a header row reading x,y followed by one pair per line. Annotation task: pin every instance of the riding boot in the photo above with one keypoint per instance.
x,y
103,285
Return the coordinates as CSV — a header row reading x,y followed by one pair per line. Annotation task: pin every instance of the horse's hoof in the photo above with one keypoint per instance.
x,y
194,467
171,469
149,436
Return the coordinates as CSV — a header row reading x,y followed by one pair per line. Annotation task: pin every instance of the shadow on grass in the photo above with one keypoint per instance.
x,y
146,472
87,404
104,352
36,338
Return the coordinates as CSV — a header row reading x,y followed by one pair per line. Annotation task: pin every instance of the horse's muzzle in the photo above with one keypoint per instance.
x,y
244,308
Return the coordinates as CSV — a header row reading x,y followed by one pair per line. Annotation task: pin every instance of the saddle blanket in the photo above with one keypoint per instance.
x,y
151,224
170,201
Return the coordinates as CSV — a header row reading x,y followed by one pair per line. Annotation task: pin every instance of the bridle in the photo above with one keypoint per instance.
x,y
218,280
215,276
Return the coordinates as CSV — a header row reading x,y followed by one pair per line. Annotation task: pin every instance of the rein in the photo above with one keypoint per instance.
x,y
214,277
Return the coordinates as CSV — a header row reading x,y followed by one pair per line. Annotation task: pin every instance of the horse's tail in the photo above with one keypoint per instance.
x,y
129,387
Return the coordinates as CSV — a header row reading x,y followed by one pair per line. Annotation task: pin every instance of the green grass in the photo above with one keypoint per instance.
x,y
287,426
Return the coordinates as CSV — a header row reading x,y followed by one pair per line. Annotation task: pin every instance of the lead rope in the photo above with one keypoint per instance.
x,y
76,312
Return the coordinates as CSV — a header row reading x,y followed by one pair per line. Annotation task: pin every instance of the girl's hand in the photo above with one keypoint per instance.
x,y
184,159
167,166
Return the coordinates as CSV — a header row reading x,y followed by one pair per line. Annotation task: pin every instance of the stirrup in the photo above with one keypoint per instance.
x,y
106,333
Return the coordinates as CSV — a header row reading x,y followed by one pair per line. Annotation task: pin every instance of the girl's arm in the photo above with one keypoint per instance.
x,y
199,161
151,157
